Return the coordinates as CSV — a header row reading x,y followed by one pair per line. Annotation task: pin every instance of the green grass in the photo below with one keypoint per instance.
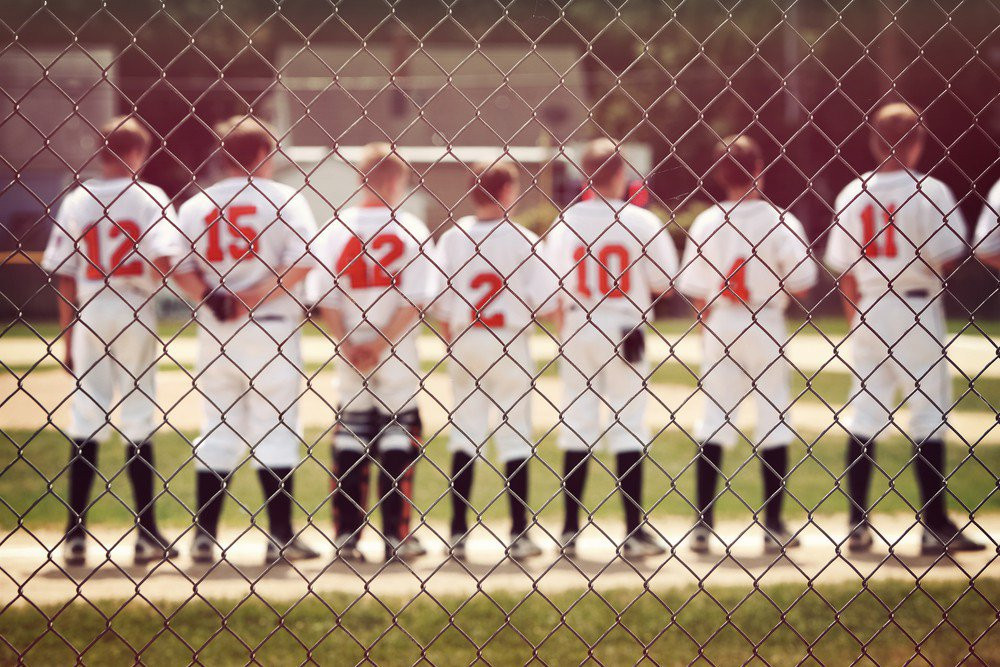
x,y
31,465
782,625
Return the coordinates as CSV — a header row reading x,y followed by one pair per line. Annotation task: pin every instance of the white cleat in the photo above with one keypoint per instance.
x,y
152,548
641,544
203,549
701,539
294,550
522,548
407,550
458,547
75,551
568,544
778,539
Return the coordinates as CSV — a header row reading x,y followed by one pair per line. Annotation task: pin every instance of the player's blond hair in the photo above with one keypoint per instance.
x,y
380,165
490,178
895,128
244,139
124,135
602,162
738,161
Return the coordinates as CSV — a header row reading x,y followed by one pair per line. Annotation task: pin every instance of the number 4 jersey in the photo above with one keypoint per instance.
x,y
107,233
895,228
240,232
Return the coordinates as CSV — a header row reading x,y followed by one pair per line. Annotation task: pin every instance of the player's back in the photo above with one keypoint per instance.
x,y
610,257
376,256
241,231
107,232
492,276
749,254
894,230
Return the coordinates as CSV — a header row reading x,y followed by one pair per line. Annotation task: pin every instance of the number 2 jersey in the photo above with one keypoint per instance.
x,y
609,257
106,235
749,254
372,261
242,231
893,231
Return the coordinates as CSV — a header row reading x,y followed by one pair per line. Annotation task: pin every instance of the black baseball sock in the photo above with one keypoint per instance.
x,y
629,469
462,473
278,489
82,470
393,465
141,472
707,470
930,478
859,463
517,495
774,470
574,480
211,492
350,469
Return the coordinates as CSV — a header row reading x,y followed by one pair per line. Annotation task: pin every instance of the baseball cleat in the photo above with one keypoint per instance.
x,y
203,549
458,547
152,548
522,548
641,544
405,550
75,551
293,550
778,539
567,543
860,539
947,538
346,548
701,537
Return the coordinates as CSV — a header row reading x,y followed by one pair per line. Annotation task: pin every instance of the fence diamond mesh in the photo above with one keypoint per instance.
x,y
554,331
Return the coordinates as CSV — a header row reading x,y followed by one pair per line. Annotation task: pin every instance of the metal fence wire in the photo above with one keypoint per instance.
x,y
543,331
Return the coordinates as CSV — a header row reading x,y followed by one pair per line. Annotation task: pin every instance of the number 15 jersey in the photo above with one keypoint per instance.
x,y
895,228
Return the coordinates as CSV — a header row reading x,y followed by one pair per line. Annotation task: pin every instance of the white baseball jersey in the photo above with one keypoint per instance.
x,y
240,231
747,253
744,259
106,234
373,261
490,275
987,240
895,227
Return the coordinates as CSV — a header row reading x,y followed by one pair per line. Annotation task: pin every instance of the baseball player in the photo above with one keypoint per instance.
x,y
109,251
371,286
612,260
744,258
246,256
987,239
895,233
493,285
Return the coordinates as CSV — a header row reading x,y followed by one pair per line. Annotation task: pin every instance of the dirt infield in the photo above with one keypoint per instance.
x,y
32,576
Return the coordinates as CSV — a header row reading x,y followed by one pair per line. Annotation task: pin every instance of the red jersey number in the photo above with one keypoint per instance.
x,y
362,270
118,266
735,286
242,239
611,257
878,243
493,284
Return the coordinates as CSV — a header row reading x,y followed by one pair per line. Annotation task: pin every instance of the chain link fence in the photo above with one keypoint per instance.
x,y
549,332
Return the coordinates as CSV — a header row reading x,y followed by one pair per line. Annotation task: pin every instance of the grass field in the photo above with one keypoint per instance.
x,y
30,464
781,625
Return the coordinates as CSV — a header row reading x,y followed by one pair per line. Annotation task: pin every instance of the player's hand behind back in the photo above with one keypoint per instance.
x,y
224,304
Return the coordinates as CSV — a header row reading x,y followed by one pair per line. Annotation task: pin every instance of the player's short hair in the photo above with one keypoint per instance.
x,y
244,138
738,159
490,178
123,135
380,164
602,162
895,127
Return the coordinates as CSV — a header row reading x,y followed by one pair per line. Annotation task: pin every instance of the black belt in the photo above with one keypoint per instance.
x,y
917,294
270,318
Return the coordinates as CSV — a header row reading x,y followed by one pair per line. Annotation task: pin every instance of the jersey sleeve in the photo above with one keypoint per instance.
x,y
321,283
660,256
697,278
61,257
987,241
300,228
842,250
947,230
189,227
163,237
416,279
554,256
798,271
441,293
